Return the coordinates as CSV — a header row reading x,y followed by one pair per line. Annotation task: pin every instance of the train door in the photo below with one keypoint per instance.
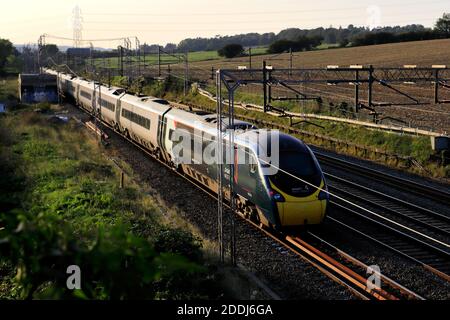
x,y
164,135
118,112
246,171
77,93
169,140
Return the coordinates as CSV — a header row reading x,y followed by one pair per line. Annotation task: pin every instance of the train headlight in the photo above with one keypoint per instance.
x,y
277,197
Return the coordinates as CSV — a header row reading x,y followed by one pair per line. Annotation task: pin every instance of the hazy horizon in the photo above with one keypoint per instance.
x,y
163,22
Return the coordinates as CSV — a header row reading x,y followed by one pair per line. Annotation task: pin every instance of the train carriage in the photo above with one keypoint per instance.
x,y
107,103
85,94
140,119
294,195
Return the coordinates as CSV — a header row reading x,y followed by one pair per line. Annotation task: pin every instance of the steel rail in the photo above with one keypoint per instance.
x,y
327,265
414,214
416,250
392,283
439,195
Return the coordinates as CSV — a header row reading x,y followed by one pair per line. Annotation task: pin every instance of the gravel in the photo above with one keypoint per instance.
x,y
402,270
364,181
289,276
398,268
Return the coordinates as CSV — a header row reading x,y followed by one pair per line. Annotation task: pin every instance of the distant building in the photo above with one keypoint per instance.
x,y
35,88
79,52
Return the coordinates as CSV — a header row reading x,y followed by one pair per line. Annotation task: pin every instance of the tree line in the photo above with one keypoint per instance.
x,y
342,36
9,57
303,40
294,39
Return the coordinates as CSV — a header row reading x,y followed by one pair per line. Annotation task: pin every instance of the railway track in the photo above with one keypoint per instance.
x,y
350,273
440,195
414,249
434,226
431,226
414,232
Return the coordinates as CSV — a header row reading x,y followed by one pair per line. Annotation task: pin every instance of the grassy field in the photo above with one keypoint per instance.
x,y
152,59
61,204
422,53
326,46
8,89
418,147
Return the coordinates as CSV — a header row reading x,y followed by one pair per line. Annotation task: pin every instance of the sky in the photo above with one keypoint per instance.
x,y
163,21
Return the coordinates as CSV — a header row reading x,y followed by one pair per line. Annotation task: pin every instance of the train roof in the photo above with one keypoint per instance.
x,y
147,103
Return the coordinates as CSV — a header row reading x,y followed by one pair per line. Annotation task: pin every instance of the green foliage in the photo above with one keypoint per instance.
x,y
14,64
378,37
344,43
120,81
50,50
118,265
170,85
8,89
44,106
301,44
231,51
6,50
178,241
443,24
60,205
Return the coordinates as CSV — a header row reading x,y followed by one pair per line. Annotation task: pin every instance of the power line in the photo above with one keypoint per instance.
x,y
240,13
158,30
86,40
246,21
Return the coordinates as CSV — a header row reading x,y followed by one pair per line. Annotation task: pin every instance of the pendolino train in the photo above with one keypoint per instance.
x,y
294,196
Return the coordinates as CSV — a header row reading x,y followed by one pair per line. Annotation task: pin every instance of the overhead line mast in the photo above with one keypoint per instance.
x,y
77,23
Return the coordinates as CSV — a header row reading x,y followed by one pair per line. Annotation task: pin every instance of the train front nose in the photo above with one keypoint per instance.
x,y
302,213
299,211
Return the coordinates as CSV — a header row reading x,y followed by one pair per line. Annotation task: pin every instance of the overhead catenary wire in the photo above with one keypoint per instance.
x,y
318,188
227,29
271,12
85,40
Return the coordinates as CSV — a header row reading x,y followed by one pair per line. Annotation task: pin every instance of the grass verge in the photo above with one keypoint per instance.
x,y
61,205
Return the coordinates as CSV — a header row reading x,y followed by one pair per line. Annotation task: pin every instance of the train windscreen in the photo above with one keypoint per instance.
x,y
293,165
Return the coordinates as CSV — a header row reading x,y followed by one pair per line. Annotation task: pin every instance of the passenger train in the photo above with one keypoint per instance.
x,y
296,195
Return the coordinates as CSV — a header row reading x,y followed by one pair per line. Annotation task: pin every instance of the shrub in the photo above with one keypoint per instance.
x,y
231,51
118,266
301,44
44,106
178,241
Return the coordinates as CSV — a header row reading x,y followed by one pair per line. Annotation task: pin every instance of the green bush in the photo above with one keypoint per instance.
x,y
231,51
60,207
180,242
118,265
44,106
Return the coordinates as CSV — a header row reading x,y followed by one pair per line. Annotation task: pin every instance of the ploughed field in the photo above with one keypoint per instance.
x,y
420,53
